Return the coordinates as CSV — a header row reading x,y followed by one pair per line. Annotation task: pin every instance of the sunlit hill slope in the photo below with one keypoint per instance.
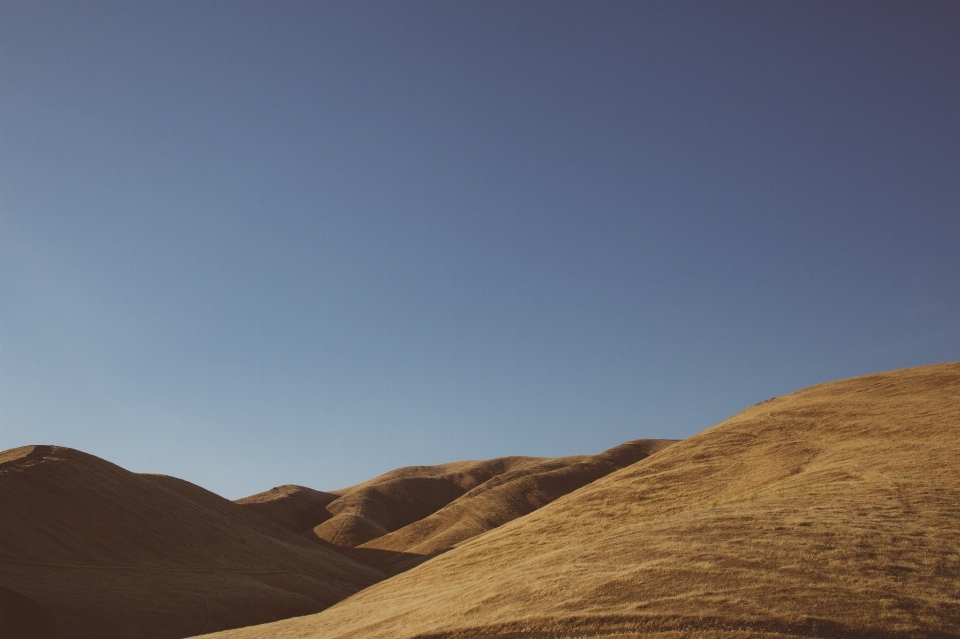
x,y
829,512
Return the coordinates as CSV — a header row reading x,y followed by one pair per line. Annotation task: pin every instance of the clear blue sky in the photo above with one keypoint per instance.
x,y
256,243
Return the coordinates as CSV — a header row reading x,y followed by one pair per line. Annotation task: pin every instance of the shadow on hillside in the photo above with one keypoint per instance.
x,y
389,561
23,618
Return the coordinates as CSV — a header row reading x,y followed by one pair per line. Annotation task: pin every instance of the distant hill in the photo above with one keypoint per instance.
x,y
829,512
114,554
398,519
296,508
516,492
90,550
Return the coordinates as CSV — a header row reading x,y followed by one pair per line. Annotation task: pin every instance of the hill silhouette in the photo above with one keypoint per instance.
x,y
828,512
114,554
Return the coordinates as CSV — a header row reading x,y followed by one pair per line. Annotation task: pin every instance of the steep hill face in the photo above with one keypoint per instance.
x,y
829,512
112,553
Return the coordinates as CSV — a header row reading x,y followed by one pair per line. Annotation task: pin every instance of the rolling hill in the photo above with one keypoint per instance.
x,y
399,519
828,512
99,551
114,554
296,508
503,498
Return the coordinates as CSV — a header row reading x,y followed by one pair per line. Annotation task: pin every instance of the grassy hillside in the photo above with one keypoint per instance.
x,y
509,495
829,512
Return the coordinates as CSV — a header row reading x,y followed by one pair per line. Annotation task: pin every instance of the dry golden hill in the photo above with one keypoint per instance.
x,y
115,554
829,512
400,518
505,497
351,516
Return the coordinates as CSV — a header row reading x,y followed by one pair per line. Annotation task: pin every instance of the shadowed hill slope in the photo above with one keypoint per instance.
x,y
295,508
23,618
829,512
118,554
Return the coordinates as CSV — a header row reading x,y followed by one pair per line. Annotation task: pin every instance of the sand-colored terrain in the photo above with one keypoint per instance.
x,y
830,512
115,554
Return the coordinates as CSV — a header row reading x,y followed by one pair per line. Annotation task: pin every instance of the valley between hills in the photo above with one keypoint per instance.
x,y
833,511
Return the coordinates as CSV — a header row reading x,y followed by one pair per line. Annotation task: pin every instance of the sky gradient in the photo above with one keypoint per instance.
x,y
257,243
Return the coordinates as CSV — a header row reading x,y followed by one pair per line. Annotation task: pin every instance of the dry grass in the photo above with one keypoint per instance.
x,y
830,512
